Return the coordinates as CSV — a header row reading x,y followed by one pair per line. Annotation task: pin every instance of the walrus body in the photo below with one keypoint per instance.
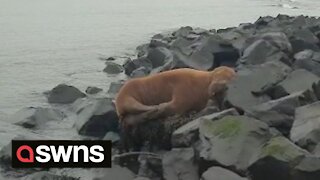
x,y
172,92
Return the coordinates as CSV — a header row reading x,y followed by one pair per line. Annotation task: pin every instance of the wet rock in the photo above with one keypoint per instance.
x,y
131,65
296,81
231,142
280,113
140,72
48,176
116,172
64,94
96,117
93,90
179,164
307,169
188,134
276,160
36,117
218,173
308,60
115,87
246,90
306,127
113,68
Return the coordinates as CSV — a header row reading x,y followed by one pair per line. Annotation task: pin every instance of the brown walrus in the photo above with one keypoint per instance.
x,y
172,92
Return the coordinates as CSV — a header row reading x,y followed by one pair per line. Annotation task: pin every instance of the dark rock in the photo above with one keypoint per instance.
x,y
140,72
302,39
116,172
296,81
231,142
188,134
96,117
142,50
64,94
306,127
307,169
218,173
111,59
280,113
179,164
159,56
183,31
131,65
113,68
316,151
243,91
48,176
115,87
35,117
112,136
308,60
276,160
93,90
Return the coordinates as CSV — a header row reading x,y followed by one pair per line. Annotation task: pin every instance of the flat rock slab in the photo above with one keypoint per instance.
x,y
218,173
231,141
250,80
306,127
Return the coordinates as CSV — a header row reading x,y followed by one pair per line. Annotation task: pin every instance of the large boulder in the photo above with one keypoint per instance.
x,y
36,117
276,160
307,169
96,117
246,90
302,38
280,113
308,60
231,142
179,164
188,134
306,127
64,94
113,68
131,65
218,173
159,56
296,81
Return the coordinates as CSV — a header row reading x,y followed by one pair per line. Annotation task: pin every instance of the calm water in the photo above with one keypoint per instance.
x,y
47,42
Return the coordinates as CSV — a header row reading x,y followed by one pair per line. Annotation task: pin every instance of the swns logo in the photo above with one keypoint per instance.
x,y
48,154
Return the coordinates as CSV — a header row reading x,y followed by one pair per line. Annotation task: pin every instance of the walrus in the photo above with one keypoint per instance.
x,y
168,93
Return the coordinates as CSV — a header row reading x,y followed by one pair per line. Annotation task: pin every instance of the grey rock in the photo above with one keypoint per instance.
x,y
218,173
159,56
280,113
296,81
307,169
178,164
276,160
116,172
308,60
242,91
115,87
183,31
93,90
231,142
64,94
140,72
48,176
96,117
131,65
302,39
188,134
306,127
112,136
36,117
113,68
316,151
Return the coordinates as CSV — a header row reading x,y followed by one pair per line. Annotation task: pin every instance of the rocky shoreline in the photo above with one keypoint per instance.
x,y
268,126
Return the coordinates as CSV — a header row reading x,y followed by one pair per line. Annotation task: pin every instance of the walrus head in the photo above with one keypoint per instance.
x,y
220,77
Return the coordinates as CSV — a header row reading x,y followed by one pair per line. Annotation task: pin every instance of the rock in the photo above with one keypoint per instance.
x,y
111,59
115,87
112,136
296,81
113,68
64,94
302,39
306,127
231,142
48,176
276,160
218,173
279,113
142,50
140,72
188,134
93,90
307,169
116,172
253,80
96,117
308,60
141,178
183,31
159,56
36,117
131,65
178,164
316,151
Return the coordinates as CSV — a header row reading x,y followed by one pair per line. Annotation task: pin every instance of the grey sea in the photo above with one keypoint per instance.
x,y
47,42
